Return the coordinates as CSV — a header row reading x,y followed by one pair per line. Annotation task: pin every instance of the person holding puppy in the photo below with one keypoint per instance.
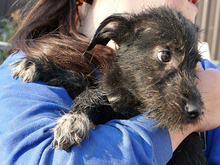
x,y
29,110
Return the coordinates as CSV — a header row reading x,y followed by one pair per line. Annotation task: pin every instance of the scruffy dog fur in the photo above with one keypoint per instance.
x,y
153,74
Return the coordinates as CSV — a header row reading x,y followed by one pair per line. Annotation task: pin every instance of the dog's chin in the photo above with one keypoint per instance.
x,y
174,123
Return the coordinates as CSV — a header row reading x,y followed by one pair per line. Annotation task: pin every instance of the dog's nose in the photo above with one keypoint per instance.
x,y
192,111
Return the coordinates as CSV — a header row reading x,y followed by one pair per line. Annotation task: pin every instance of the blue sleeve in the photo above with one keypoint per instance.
x,y
29,110
206,64
212,136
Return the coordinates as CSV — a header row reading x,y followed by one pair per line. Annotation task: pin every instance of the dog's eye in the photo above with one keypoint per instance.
x,y
164,56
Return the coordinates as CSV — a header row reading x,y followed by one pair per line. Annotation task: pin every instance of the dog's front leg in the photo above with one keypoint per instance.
x,y
70,130
89,108
33,69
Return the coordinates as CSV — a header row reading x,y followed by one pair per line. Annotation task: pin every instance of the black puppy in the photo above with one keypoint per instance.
x,y
154,74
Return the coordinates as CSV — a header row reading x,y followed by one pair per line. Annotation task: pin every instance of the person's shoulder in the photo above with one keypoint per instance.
x,y
14,57
22,96
6,66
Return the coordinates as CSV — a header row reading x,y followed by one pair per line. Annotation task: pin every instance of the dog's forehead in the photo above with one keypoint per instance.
x,y
163,21
161,27
170,28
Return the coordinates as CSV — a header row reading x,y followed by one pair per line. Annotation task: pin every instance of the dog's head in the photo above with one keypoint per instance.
x,y
156,62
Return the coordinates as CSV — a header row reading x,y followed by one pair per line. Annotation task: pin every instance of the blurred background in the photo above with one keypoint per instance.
x,y
208,18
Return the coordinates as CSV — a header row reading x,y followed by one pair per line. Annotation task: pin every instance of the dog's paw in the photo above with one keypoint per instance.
x,y
24,69
70,130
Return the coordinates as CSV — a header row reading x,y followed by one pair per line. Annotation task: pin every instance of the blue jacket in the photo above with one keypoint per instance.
x,y
28,112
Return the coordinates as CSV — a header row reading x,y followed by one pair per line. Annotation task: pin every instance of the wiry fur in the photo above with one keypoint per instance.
x,y
71,129
137,82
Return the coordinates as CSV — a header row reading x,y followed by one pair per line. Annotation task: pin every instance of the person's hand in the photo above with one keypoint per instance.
x,y
208,84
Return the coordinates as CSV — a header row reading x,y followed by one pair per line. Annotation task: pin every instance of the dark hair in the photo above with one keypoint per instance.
x,y
49,30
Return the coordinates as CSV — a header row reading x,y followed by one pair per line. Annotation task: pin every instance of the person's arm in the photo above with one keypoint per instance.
x,y
29,111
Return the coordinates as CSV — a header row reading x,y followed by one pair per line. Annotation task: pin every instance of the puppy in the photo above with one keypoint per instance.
x,y
153,74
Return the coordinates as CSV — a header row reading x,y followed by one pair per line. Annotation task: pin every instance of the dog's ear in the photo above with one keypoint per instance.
x,y
113,28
